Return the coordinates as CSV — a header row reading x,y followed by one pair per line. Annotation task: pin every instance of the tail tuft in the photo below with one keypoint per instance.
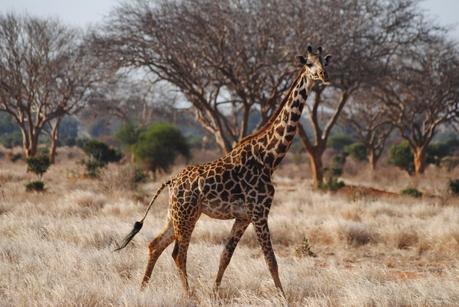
x,y
130,236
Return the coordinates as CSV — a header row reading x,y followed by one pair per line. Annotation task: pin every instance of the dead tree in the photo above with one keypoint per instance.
x,y
422,93
362,37
45,74
370,123
227,58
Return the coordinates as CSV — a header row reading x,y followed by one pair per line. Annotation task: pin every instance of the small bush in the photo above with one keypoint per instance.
x,y
15,157
99,155
128,134
411,192
101,152
159,145
304,249
401,156
357,151
338,142
454,186
35,186
38,165
93,167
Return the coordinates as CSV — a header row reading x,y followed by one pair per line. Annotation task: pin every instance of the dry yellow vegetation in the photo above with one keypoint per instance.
x,y
56,247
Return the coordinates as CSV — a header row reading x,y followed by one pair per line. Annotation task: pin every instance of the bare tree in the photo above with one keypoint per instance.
x,y
370,122
133,100
45,73
228,58
422,93
362,36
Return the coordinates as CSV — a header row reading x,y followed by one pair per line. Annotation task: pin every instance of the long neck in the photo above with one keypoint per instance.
x,y
275,143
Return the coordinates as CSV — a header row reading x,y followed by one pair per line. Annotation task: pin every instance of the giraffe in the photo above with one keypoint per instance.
x,y
237,186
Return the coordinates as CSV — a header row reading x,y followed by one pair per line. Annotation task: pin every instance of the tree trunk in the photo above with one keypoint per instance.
x,y
315,153
224,145
25,142
54,139
33,146
29,143
317,170
419,160
372,159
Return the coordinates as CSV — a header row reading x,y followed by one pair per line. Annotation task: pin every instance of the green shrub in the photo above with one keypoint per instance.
x,y
401,156
411,192
93,167
99,155
15,157
38,165
101,152
35,186
159,145
339,141
454,186
357,151
128,134
336,167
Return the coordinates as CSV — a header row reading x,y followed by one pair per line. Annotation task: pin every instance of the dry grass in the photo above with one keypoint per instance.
x,y
56,248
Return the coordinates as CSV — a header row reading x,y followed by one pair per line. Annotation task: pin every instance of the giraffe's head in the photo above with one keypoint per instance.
x,y
315,66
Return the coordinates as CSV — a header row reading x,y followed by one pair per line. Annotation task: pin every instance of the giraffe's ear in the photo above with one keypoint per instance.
x,y
301,60
327,60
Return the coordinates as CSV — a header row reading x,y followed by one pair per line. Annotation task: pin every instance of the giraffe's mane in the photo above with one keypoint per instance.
x,y
273,117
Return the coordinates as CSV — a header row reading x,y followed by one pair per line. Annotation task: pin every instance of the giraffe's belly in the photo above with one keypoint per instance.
x,y
225,210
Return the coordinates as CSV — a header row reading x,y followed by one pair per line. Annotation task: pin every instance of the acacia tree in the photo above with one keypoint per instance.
x,y
46,72
228,58
422,93
362,36
370,122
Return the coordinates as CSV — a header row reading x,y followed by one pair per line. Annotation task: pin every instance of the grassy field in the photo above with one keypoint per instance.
x,y
56,247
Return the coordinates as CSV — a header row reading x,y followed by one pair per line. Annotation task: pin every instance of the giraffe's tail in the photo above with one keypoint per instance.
x,y
138,225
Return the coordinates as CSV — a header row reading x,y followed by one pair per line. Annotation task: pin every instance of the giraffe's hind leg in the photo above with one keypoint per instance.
x,y
184,222
156,247
237,231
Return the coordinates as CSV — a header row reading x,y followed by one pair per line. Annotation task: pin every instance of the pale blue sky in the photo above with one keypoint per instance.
x,y
83,12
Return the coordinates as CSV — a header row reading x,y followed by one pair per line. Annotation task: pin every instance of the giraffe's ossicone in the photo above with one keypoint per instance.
x,y
237,186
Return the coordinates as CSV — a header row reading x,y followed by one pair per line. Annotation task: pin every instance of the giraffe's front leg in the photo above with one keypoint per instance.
x,y
237,231
264,238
